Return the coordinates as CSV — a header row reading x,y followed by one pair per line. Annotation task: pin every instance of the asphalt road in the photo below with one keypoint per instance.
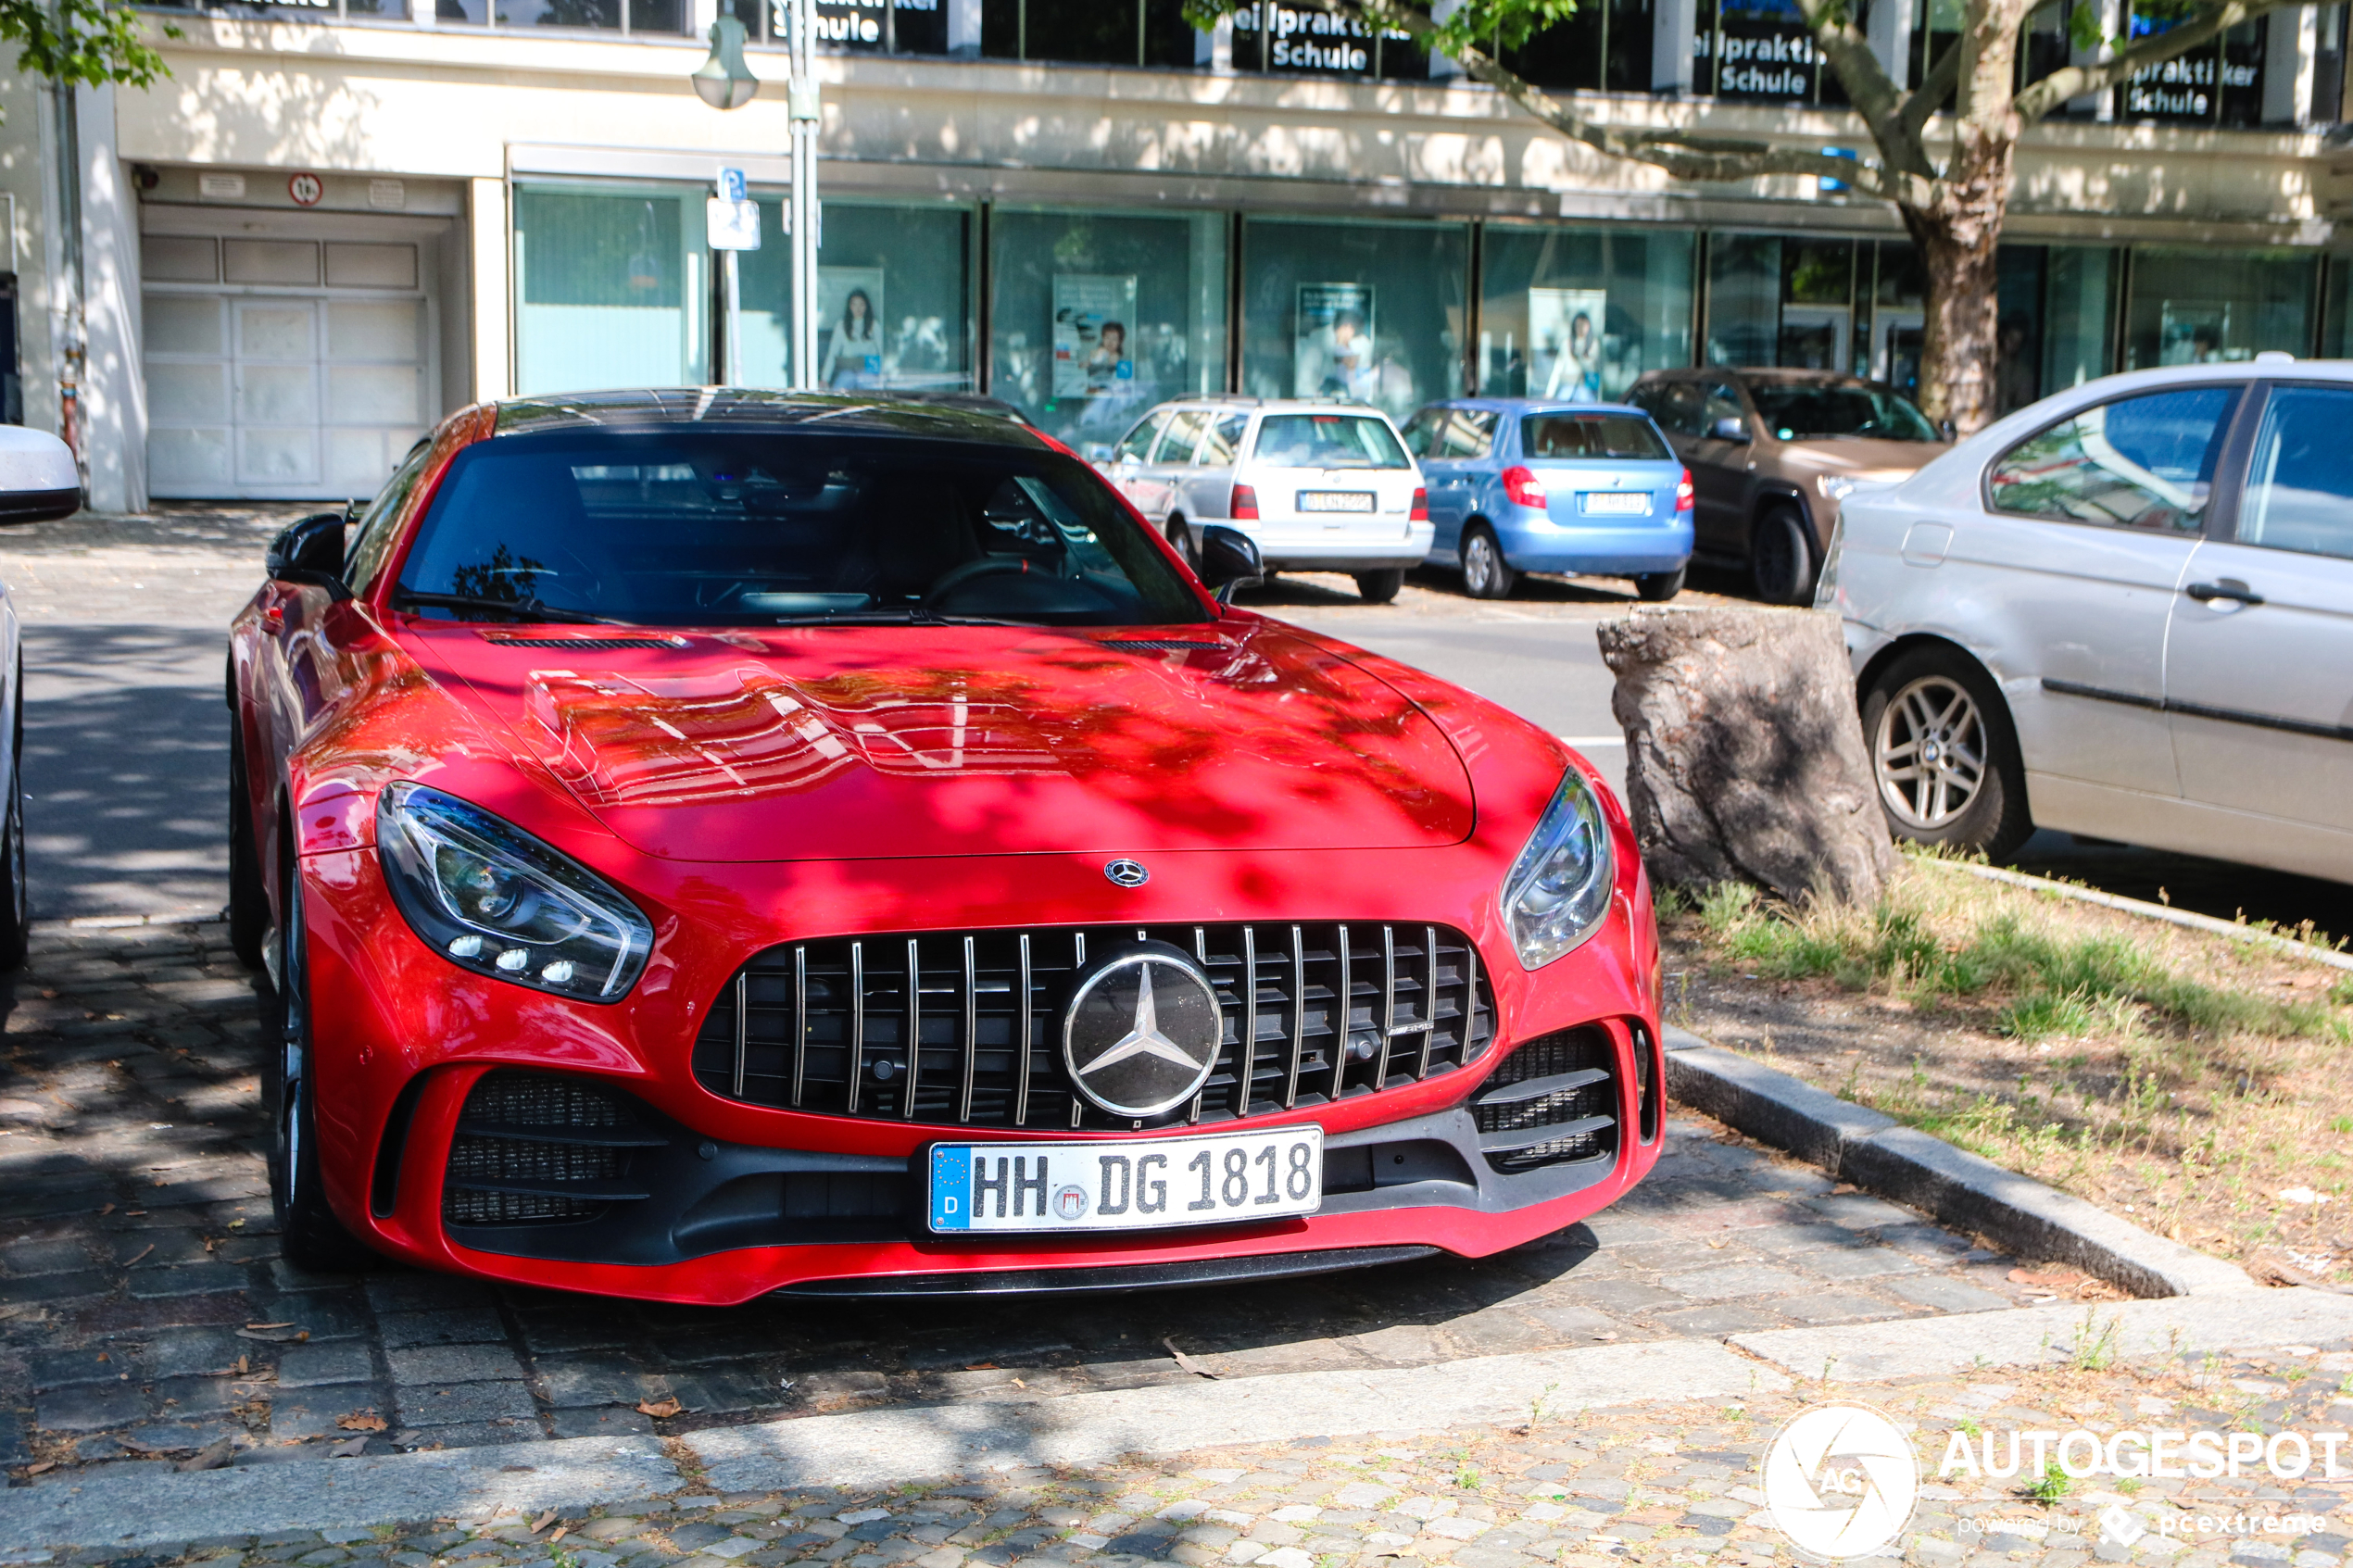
x,y
126,758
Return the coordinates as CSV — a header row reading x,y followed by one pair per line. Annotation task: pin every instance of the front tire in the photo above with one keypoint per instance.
x,y
1780,556
1486,574
308,1234
16,907
1657,587
1180,539
1945,757
1381,587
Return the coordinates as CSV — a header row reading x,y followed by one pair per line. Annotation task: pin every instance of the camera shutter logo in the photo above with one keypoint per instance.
x,y
1840,1481
2118,1523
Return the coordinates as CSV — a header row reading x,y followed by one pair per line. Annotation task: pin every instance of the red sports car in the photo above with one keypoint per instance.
x,y
707,843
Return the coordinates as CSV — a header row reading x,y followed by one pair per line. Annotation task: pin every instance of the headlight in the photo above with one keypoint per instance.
x,y
1560,887
491,899
1837,486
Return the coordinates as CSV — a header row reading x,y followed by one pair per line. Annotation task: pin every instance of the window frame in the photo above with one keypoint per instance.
x,y
2216,519
2238,458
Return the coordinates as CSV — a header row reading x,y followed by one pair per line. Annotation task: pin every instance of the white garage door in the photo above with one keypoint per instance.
x,y
282,370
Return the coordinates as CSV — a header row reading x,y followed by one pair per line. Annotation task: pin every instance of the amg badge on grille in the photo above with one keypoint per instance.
x,y
1127,873
1142,1029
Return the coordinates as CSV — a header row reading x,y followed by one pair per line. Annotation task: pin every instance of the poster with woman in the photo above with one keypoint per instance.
x,y
1094,314
850,313
1332,343
1565,335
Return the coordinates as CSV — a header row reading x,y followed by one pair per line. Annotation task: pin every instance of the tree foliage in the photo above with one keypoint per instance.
x,y
82,43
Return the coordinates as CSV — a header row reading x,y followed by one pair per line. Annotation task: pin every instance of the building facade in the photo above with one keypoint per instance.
x,y
335,222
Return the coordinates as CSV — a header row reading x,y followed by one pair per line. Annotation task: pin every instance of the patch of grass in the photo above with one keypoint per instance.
x,y
2050,1487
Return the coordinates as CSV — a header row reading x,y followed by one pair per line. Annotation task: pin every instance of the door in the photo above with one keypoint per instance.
x,y
1155,488
1455,447
2259,666
1125,469
274,393
2068,582
1720,470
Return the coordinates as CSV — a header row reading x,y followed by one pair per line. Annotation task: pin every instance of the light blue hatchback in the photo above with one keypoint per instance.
x,y
1531,484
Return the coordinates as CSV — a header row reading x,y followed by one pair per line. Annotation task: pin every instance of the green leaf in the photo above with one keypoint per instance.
x,y
82,43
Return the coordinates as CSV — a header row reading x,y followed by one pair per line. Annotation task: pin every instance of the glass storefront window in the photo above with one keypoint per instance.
x,y
2079,315
2198,307
1338,309
1580,313
1603,46
667,17
893,299
611,288
1098,316
1743,299
1124,32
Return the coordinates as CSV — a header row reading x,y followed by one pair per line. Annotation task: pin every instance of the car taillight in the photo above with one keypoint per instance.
x,y
1523,487
1421,506
1683,492
1244,503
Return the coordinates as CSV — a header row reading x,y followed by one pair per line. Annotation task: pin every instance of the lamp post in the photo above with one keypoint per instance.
x,y
726,82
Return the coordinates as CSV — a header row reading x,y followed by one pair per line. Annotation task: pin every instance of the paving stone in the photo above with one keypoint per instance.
x,y
600,1380
190,1396
1836,1306
1724,1317
600,1421
1946,1295
463,1325
95,1363
449,1404
22,1259
470,1434
195,1351
1859,1212
426,1293
1860,1262
184,1280
422,1364
337,1360
314,1412
90,1407
1734,1281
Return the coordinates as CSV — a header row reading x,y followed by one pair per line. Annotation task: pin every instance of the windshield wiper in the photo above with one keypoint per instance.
x,y
529,608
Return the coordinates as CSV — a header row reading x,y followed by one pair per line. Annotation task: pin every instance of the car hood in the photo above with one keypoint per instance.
x,y
834,743
1859,457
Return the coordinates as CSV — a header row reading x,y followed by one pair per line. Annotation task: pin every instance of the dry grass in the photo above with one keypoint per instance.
x,y
2183,1080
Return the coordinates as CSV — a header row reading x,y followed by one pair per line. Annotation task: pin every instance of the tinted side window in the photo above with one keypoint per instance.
x,y
1470,434
1424,428
1680,407
1589,435
2138,462
1723,403
2299,488
1184,431
1139,442
1223,442
373,541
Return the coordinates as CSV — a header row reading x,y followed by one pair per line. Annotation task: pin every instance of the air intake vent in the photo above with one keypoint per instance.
x,y
541,1148
589,644
1164,645
1553,1101
825,1026
1647,1072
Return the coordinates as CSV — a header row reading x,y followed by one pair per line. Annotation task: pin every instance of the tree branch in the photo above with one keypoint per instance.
x,y
1934,88
2073,81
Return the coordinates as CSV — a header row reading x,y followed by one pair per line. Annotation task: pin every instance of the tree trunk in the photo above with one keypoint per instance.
x,y
1743,756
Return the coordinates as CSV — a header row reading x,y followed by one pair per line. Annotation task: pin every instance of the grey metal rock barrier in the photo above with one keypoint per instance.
x,y
1875,1153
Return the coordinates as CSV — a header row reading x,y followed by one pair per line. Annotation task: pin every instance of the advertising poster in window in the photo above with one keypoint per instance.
x,y
1094,314
849,317
1565,332
1332,352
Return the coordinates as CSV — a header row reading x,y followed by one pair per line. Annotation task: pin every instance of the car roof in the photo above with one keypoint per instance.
x,y
739,407
1244,402
1535,405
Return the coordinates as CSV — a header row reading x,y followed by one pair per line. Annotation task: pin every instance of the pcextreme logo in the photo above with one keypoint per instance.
x,y
1840,1480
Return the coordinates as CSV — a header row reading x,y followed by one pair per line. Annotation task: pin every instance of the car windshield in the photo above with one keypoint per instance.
x,y
1803,411
1329,441
759,528
1589,435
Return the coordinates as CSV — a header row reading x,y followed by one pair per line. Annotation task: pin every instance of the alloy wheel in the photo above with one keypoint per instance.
x,y
1478,565
293,993
1929,754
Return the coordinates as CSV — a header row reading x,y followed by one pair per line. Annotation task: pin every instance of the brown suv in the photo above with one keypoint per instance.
x,y
1772,451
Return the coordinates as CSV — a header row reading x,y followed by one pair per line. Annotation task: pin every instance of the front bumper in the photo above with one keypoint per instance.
x,y
741,1200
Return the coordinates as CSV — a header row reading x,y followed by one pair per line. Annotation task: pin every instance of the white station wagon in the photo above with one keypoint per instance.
x,y
1320,486
2125,611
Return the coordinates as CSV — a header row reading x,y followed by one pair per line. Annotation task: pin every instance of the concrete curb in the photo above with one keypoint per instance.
x,y
1873,1151
124,1510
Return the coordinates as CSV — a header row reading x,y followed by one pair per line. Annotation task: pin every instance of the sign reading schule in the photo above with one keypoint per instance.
x,y
1299,39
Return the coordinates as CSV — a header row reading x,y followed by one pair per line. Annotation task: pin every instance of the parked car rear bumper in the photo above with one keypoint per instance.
x,y
1534,543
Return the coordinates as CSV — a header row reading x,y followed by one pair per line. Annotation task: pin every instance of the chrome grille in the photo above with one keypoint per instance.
x,y
1552,1100
825,1026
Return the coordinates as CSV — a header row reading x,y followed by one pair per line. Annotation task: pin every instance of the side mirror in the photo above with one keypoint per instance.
x,y
1098,451
1733,431
310,551
1229,560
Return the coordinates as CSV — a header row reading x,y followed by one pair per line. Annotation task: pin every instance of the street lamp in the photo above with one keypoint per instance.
x,y
726,82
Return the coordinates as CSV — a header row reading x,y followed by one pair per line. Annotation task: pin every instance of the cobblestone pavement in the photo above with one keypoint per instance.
x,y
1664,1485
145,1312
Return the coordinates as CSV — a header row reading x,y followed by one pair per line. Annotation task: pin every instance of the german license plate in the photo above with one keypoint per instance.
x,y
1128,1183
1335,501
1617,503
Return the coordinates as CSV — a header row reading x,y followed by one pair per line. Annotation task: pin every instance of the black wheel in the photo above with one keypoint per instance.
x,y
1943,755
308,1234
1657,587
1780,556
1486,574
248,907
16,909
1180,539
1381,587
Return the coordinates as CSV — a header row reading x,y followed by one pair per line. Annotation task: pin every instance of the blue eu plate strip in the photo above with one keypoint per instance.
x,y
951,1179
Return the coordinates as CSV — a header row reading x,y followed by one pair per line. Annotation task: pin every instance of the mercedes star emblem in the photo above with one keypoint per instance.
x,y
1141,1033
1127,873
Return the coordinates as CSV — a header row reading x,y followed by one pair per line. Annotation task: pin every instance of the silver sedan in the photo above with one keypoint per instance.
x,y
2125,611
